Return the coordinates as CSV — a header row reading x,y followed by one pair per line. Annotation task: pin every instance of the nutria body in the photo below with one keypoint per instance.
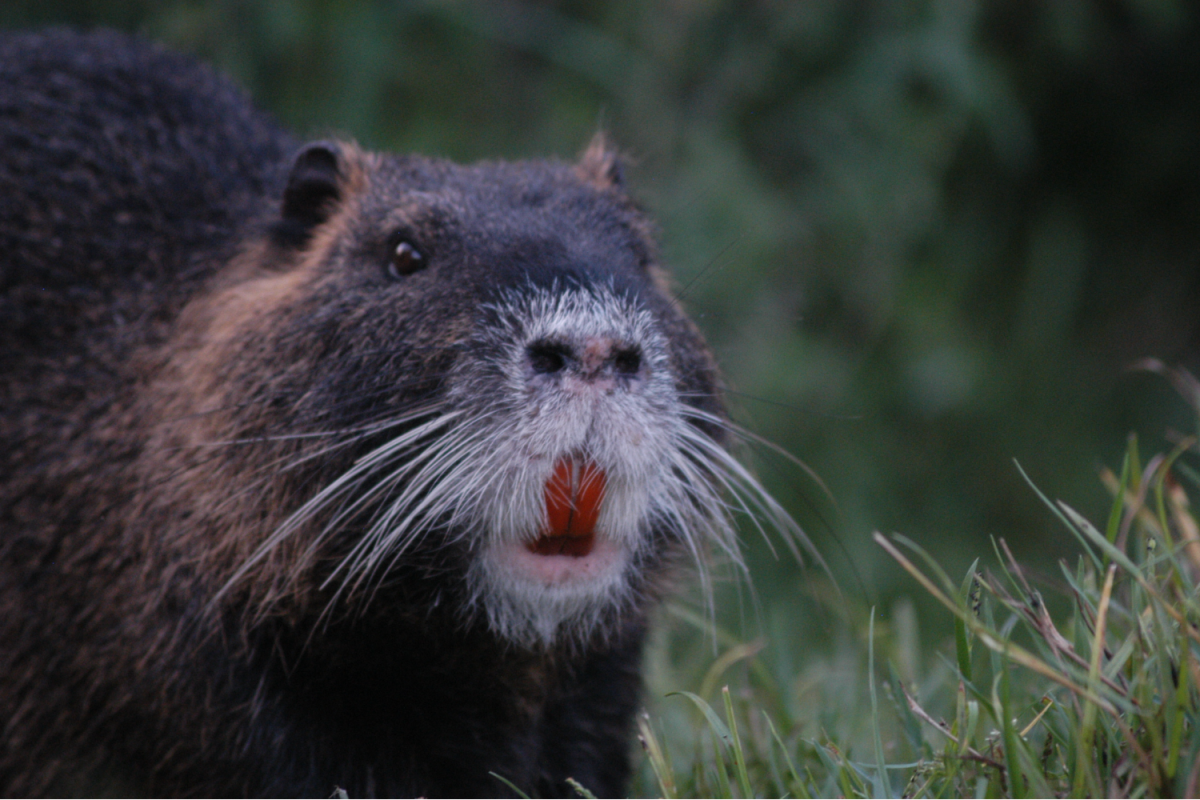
x,y
322,468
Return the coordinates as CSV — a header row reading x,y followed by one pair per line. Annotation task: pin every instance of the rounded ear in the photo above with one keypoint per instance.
x,y
315,185
600,165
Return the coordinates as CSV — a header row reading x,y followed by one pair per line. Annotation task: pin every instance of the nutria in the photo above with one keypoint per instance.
x,y
324,468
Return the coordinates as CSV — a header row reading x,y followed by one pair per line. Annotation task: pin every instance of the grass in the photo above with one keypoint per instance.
x,y
1096,693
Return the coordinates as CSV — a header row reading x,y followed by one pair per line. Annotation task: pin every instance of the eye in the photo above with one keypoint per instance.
x,y
405,260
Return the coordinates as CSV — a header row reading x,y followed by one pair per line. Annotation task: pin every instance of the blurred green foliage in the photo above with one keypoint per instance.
x,y
924,238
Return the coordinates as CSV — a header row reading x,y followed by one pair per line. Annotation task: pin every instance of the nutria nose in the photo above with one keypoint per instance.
x,y
590,359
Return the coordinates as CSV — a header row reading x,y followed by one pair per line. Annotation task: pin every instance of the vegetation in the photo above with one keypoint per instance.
x,y
1100,699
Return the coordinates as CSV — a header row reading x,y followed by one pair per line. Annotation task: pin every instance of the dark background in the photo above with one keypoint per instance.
x,y
924,238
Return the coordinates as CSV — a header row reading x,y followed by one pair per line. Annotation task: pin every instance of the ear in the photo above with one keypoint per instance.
x,y
600,165
315,185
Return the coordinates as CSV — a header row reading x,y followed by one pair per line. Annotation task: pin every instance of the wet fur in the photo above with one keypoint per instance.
x,y
203,590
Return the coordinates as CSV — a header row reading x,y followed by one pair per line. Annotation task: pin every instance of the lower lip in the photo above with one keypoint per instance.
x,y
604,557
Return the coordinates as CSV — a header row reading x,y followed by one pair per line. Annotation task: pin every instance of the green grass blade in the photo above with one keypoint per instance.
x,y
1084,772
797,782
722,734
1118,507
510,785
739,757
990,638
714,721
1080,524
1001,700
885,788
1179,712
1053,507
580,789
962,641
909,723
664,773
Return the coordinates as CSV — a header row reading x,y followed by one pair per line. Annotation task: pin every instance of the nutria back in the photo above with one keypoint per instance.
x,y
325,468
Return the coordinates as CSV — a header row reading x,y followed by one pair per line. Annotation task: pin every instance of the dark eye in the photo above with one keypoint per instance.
x,y
405,260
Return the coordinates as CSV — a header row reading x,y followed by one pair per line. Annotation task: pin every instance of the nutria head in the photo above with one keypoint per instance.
x,y
431,386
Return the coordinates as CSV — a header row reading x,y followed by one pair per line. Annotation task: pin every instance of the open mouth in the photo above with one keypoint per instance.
x,y
573,495
569,557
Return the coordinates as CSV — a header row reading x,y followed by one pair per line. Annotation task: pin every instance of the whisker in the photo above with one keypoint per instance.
x,y
394,539
775,450
749,436
441,473
378,458
347,482
282,464
388,539
745,486
383,535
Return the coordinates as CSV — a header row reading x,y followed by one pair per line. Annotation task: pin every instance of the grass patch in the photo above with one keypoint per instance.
x,y
1095,695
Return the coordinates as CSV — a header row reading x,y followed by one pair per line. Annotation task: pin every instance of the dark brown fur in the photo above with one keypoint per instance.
x,y
174,309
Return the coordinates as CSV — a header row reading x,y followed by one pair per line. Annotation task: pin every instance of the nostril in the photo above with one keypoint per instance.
x,y
627,361
547,358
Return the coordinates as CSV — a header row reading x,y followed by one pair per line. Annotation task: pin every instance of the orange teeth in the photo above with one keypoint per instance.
x,y
573,496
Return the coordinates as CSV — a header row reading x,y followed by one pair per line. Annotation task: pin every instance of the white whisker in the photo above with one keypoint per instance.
x,y
744,485
347,482
468,487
